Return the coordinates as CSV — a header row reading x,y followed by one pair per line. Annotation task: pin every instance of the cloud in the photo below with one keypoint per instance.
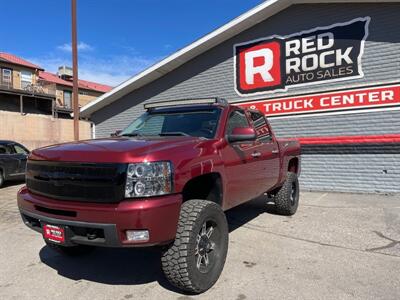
x,y
82,46
111,70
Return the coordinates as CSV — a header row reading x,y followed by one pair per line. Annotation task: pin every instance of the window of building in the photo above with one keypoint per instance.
x,y
6,76
85,93
68,99
26,79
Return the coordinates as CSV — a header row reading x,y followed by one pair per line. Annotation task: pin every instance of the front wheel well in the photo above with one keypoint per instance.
x,y
293,165
204,187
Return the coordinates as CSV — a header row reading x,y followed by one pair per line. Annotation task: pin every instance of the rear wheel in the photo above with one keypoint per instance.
x,y
287,198
70,251
195,260
1,178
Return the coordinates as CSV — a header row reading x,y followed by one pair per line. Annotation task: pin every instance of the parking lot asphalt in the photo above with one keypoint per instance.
x,y
337,246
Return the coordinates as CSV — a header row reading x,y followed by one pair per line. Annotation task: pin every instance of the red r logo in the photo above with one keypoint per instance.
x,y
258,67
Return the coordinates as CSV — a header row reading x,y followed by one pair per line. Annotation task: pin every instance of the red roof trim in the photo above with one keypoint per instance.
x,y
53,78
13,59
83,84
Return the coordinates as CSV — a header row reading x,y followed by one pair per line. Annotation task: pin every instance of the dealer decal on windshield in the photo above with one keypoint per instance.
x,y
315,56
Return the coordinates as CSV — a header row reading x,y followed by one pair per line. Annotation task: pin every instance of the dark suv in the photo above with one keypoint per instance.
x,y
13,158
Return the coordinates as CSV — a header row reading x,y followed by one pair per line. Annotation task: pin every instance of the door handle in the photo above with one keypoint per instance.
x,y
275,151
256,154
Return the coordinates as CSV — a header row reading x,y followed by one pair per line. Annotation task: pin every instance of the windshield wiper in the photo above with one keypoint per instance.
x,y
173,133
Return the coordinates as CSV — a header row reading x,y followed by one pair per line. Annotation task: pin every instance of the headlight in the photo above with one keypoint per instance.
x,y
148,179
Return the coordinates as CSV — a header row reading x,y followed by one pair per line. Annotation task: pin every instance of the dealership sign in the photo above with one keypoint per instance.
x,y
356,99
315,56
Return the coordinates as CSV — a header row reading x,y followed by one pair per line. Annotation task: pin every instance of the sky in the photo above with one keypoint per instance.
x,y
116,38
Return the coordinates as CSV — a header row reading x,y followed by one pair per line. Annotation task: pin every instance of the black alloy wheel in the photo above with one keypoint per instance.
x,y
194,261
287,198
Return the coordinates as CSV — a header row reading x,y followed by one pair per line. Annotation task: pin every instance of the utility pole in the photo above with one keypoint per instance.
x,y
75,92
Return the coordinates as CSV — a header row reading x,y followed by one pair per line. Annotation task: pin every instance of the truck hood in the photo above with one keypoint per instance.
x,y
119,149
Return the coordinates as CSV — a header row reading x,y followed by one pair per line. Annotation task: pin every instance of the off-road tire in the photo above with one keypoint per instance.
x,y
286,199
70,251
1,178
179,260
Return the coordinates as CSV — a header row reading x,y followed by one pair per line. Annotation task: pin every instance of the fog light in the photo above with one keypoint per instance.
x,y
137,235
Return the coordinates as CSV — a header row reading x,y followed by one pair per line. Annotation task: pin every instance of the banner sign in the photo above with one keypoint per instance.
x,y
319,55
373,97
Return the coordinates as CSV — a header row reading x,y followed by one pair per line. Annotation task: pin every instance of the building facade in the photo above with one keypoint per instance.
x,y
326,72
35,105
17,79
61,83
26,87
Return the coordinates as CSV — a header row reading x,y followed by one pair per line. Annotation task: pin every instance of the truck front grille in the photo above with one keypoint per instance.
x,y
71,181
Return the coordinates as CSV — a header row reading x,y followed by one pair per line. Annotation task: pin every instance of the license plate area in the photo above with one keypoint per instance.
x,y
54,233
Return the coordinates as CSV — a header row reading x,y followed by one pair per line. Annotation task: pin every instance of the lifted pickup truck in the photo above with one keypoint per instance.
x,y
165,180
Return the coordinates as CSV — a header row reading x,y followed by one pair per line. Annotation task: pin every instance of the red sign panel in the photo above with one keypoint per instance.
x,y
54,233
328,102
261,66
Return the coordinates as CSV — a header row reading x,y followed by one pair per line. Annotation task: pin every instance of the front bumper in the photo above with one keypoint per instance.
x,y
102,224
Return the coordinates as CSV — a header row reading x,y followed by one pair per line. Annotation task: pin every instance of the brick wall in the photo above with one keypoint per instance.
x,y
83,99
34,131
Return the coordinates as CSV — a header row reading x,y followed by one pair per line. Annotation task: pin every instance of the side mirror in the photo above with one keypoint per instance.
x,y
116,133
246,134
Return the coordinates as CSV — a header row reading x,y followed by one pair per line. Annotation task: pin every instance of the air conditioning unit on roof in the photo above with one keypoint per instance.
x,y
65,72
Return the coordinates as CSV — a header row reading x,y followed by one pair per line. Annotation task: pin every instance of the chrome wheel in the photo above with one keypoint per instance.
x,y
205,247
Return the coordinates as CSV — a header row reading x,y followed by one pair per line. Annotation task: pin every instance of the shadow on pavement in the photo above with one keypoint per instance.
x,y
107,265
246,212
134,266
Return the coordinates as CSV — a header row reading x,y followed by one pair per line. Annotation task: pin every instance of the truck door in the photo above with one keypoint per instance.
x,y
268,148
241,167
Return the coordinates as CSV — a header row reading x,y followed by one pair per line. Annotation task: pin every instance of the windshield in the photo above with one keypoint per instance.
x,y
197,123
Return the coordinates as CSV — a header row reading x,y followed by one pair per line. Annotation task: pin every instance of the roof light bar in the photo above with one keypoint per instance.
x,y
185,102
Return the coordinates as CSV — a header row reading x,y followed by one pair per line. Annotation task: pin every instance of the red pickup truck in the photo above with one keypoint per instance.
x,y
165,180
